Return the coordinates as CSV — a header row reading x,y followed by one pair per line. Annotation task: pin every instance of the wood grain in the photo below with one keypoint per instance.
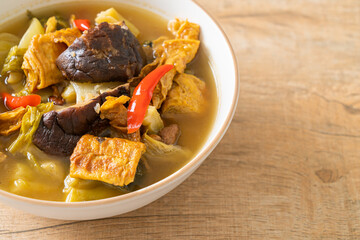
x,y
289,166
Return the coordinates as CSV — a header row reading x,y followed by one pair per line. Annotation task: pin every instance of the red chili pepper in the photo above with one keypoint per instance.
x,y
82,24
15,102
141,97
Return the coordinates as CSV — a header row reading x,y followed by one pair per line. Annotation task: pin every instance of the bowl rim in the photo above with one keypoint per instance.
x,y
198,159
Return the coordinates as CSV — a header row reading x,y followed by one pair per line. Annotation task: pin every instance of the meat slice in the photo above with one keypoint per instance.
x,y
110,160
170,134
59,131
108,52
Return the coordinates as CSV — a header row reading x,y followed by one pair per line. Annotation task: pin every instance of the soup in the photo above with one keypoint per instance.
x,y
46,167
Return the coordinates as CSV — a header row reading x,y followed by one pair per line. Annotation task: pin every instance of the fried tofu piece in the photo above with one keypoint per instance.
x,y
114,110
110,160
178,52
162,88
184,29
186,95
40,59
11,121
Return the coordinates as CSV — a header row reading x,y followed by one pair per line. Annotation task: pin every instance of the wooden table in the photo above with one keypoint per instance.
x,y
289,166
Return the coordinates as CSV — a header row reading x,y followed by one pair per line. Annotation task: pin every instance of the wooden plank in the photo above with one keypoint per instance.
x,y
289,166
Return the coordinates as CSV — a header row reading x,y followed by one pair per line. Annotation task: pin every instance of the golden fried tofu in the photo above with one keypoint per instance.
x,y
11,121
110,160
39,60
114,110
162,88
186,95
178,52
184,29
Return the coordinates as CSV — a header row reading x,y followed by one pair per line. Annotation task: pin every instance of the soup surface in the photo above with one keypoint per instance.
x,y
43,176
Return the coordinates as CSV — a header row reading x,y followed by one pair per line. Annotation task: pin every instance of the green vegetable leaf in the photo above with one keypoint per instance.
x,y
7,41
29,124
156,148
14,60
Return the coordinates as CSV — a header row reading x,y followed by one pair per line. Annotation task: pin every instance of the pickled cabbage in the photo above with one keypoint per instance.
x,y
156,148
32,181
29,124
153,121
41,175
112,16
15,56
78,190
87,91
7,41
35,28
56,23
69,94
14,60
51,25
79,195
10,121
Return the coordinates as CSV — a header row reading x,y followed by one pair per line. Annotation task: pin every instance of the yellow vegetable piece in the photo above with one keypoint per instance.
x,y
7,41
112,16
15,77
153,121
51,25
78,183
29,124
35,28
55,169
69,94
79,195
14,60
34,182
78,190
86,91
157,150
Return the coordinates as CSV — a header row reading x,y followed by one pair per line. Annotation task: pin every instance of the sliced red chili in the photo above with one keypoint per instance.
x,y
142,96
12,102
82,24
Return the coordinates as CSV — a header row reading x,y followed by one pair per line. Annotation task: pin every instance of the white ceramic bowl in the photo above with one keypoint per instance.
x,y
219,51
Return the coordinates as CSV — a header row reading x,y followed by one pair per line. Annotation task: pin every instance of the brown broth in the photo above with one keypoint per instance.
x,y
195,129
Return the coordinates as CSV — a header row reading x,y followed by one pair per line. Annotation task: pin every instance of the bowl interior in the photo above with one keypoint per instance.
x,y
213,43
